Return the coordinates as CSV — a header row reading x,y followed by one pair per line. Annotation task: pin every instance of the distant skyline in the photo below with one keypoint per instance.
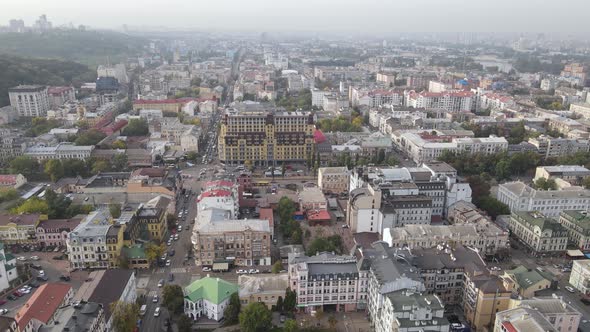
x,y
366,16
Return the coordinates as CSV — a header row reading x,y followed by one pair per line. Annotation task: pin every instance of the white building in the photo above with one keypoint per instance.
x,y
86,244
521,197
541,234
556,147
317,97
580,276
60,151
7,268
29,100
573,174
454,101
327,279
408,311
562,315
208,297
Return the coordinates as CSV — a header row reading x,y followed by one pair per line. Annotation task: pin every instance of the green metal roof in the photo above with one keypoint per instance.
x,y
214,290
135,251
9,257
526,278
535,218
578,218
9,267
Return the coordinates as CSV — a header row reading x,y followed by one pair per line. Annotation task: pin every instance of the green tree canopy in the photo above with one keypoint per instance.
x,y
232,311
124,315
54,169
544,184
32,205
173,298
90,137
290,300
74,167
277,267
136,127
154,251
115,210
331,243
255,318
24,165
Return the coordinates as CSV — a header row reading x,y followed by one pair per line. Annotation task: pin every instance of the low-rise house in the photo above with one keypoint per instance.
x,y
19,228
265,288
208,297
522,320
333,179
41,308
12,180
540,234
312,198
135,256
524,282
560,313
571,173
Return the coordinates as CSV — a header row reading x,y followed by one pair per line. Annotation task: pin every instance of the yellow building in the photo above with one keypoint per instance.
x,y
525,283
483,296
262,137
166,105
114,244
152,220
19,228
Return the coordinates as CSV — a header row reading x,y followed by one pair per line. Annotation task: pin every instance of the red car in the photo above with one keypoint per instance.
x,y
18,294
2,302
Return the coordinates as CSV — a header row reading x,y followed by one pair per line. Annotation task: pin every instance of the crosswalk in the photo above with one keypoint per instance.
x,y
153,293
173,270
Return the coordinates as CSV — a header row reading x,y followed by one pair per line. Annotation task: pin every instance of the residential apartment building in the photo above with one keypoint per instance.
x,y
541,234
59,95
524,282
240,242
208,297
264,138
54,232
551,147
82,316
450,101
443,270
333,179
580,276
400,210
29,100
19,228
483,296
484,236
152,221
407,310
573,174
86,244
521,197
327,281
265,288
60,151
577,224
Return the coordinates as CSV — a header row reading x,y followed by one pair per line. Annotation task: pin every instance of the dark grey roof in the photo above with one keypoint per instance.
x,y
389,264
109,288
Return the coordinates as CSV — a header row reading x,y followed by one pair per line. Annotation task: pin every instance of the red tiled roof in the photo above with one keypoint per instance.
x,y
509,327
8,178
57,89
318,215
219,183
42,304
214,193
266,213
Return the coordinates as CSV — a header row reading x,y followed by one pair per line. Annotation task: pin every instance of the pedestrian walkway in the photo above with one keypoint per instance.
x,y
179,270
153,293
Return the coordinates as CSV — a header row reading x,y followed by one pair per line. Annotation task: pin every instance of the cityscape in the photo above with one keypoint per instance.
x,y
194,175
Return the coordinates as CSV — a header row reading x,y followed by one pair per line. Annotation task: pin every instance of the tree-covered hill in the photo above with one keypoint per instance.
x,y
16,70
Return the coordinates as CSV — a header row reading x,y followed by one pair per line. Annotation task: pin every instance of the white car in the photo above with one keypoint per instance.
x,y
21,258
169,243
175,237
167,262
206,269
253,271
570,289
35,258
157,312
241,271
41,272
155,300
3,311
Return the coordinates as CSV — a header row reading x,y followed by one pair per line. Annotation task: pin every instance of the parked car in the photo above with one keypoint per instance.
x,y
167,262
21,258
241,271
161,283
171,252
206,269
11,297
17,294
253,271
570,289
155,300
585,301
36,266
3,311
42,278
35,258
34,284
170,277
65,278
41,272
3,302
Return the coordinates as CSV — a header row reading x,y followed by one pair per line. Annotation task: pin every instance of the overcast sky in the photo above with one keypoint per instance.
x,y
313,15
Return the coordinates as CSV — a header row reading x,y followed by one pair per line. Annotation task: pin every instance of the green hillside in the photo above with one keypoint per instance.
x,y
17,70
88,47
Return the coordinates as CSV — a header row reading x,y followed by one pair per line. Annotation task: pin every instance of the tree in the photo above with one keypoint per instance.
x,y
154,251
184,324
286,209
136,127
54,169
319,315
123,262
58,205
232,311
277,267
192,156
331,243
100,166
24,165
492,206
283,169
115,210
544,184
332,321
8,194
173,298
290,325
118,144
120,162
381,156
586,182
124,316
290,300
502,170
90,137
255,318
74,167
32,205
279,306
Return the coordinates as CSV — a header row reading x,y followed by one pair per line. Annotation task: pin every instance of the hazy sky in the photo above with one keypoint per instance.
x,y
313,15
